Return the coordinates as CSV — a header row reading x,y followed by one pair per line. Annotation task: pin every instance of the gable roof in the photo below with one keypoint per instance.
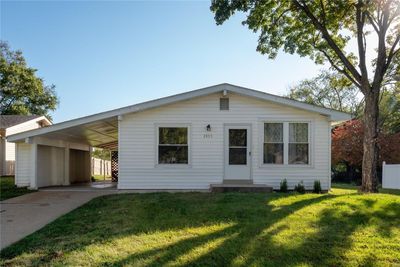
x,y
333,115
7,121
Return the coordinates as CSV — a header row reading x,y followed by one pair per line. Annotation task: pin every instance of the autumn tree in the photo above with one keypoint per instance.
x,y
322,30
347,145
21,91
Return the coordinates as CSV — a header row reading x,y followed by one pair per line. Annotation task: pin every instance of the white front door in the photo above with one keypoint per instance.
x,y
237,152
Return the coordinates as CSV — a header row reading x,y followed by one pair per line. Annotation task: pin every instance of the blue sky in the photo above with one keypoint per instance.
x,y
104,55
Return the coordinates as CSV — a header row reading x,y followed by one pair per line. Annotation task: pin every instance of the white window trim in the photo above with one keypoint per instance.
x,y
286,122
177,165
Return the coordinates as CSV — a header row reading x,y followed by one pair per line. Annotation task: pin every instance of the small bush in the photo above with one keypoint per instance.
x,y
317,187
284,187
92,179
300,188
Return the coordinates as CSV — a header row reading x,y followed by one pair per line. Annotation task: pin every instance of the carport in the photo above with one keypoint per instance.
x,y
60,155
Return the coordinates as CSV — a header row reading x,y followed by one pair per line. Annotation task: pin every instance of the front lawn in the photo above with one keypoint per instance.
x,y
9,190
204,229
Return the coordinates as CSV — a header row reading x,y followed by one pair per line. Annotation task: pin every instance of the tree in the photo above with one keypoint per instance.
x,y
321,30
333,90
329,90
101,154
22,92
347,145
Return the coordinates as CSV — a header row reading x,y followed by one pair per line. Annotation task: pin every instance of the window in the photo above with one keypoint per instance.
x,y
298,143
286,143
224,104
173,145
237,146
273,143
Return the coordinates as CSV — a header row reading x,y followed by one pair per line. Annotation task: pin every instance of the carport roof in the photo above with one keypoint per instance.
x,y
101,129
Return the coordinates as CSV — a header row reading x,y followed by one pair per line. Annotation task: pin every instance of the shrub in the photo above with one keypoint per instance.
x,y
300,188
317,187
284,187
92,179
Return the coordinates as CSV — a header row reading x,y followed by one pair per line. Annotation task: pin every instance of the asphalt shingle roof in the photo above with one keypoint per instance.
x,y
7,121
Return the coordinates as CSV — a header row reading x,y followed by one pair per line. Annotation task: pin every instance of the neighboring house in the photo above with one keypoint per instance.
x,y
13,124
188,141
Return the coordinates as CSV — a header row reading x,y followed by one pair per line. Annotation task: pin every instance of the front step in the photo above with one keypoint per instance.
x,y
237,181
244,188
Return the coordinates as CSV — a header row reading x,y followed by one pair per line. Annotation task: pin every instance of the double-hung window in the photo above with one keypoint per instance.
x,y
173,145
298,143
273,143
286,143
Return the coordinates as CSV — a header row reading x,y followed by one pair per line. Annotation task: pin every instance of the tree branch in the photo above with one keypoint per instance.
x,y
373,22
329,40
343,71
360,21
393,51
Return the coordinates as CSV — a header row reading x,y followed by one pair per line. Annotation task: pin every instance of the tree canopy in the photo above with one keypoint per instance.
x,y
330,89
22,92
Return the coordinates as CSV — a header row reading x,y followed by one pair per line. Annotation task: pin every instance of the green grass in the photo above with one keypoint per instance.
x,y
9,190
99,178
342,228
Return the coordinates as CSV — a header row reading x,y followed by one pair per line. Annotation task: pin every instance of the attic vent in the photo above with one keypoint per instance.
x,y
224,104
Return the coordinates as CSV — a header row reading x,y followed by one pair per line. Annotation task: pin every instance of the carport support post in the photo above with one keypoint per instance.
x,y
66,166
34,149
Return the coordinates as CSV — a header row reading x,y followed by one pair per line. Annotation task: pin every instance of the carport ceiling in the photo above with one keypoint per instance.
x,y
102,133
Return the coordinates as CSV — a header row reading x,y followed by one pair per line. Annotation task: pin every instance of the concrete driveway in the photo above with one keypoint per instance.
x,y
26,214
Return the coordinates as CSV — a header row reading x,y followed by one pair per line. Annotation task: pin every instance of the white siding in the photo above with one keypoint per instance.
x,y
137,144
25,126
9,161
23,168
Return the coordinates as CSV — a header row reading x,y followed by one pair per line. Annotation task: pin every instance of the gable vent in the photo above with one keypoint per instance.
x,y
224,103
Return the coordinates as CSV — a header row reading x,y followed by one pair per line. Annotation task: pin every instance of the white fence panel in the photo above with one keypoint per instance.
x,y
391,176
101,167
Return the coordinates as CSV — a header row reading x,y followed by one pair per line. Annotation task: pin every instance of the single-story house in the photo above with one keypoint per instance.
x,y
189,141
12,124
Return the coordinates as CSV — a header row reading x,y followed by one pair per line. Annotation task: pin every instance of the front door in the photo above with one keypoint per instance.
x,y
237,152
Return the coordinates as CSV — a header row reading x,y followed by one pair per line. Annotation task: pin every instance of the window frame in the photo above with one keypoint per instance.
x,y
308,143
286,122
283,142
157,144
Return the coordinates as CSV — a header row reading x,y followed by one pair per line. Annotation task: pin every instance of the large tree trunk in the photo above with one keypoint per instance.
x,y
370,157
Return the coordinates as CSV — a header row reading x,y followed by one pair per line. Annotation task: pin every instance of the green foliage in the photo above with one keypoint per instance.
x,y
284,186
22,92
389,110
329,90
317,187
101,154
232,229
299,188
332,90
283,25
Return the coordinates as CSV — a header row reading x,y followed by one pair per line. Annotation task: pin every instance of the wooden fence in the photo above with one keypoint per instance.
x,y
101,167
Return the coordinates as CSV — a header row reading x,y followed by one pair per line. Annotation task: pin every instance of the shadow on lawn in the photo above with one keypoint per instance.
x,y
248,240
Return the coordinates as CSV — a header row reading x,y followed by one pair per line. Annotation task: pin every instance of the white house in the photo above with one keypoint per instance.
x,y
192,140
12,124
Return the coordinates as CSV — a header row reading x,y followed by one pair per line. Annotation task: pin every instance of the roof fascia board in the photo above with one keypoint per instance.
x,y
332,114
26,122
